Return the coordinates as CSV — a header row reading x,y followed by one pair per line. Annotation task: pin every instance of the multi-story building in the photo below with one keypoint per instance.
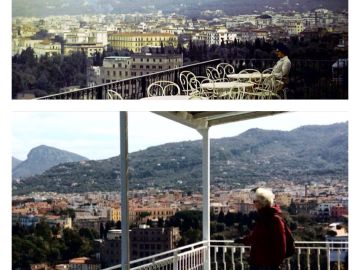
x,y
63,222
324,209
217,207
245,207
146,241
110,251
135,41
283,199
135,214
294,27
90,222
114,214
88,48
83,263
263,21
25,220
120,67
338,211
47,47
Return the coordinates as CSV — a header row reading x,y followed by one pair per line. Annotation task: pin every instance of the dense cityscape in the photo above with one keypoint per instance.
x,y
93,219
56,54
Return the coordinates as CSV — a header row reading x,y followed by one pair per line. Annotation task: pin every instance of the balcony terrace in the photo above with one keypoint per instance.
x,y
226,255
309,79
209,254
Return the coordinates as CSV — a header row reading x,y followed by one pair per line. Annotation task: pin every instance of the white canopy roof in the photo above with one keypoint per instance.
x,y
203,120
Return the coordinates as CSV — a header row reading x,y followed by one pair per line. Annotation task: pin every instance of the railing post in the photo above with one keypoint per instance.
x,y
206,194
143,86
175,261
328,257
232,257
224,257
215,257
242,250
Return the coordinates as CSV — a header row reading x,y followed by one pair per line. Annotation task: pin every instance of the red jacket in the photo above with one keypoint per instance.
x,y
268,239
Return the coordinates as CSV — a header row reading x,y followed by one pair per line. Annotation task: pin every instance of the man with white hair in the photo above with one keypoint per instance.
x,y
268,239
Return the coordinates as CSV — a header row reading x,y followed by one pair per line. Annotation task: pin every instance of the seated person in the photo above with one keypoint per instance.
x,y
282,67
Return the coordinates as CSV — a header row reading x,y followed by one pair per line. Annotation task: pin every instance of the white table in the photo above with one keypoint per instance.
x,y
248,76
173,98
226,85
223,89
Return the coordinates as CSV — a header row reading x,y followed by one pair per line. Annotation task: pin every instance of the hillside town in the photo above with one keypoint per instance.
x,y
99,212
121,46
93,33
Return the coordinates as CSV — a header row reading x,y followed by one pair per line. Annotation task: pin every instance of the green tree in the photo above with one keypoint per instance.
x,y
221,217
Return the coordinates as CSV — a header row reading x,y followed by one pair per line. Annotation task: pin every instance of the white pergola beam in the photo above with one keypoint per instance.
x,y
125,257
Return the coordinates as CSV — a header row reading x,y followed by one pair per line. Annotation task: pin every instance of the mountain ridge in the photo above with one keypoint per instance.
x,y
41,158
184,7
255,155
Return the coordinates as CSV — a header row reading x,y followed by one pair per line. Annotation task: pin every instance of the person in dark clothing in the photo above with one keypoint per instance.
x,y
267,240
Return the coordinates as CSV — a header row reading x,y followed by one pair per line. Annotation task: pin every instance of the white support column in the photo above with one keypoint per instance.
x,y
206,193
125,258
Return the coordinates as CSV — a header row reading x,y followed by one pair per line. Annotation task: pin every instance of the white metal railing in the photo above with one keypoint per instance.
x,y
187,257
308,256
225,255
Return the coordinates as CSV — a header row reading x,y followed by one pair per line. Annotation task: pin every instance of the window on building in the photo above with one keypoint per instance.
x,y
153,67
119,65
160,67
108,72
120,73
147,60
141,66
113,65
133,66
154,60
126,73
147,66
114,73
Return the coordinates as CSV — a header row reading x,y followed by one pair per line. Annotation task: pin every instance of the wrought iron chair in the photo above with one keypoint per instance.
x,y
213,74
163,88
254,75
111,94
209,92
188,85
265,90
224,69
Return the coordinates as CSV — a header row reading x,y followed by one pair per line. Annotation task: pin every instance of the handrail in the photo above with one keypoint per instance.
x,y
308,78
123,81
176,254
191,246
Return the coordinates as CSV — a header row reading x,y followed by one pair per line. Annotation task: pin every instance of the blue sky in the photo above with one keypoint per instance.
x,y
96,134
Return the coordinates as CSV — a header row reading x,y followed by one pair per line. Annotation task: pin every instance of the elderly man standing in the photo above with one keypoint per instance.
x,y
268,239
